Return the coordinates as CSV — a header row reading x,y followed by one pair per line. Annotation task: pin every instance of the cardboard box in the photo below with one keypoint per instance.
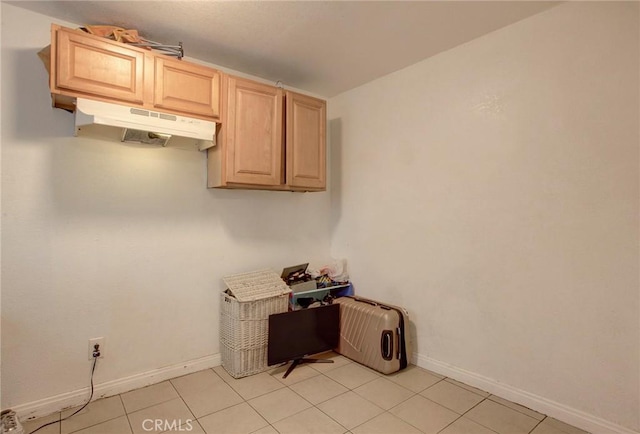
x,y
298,285
304,286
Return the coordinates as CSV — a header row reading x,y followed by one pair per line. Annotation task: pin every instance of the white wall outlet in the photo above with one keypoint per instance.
x,y
92,343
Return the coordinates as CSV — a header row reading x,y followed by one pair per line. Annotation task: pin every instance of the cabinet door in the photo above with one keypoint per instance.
x,y
91,65
253,136
306,141
186,87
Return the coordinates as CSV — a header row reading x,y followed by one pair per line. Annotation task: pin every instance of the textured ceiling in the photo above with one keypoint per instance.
x,y
324,47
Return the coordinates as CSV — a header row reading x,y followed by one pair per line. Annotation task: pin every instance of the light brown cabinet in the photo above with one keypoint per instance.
x,y
84,65
186,87
97,66
252,133
269,138
305,141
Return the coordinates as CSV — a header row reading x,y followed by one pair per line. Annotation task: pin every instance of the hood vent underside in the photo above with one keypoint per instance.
x,y
146,137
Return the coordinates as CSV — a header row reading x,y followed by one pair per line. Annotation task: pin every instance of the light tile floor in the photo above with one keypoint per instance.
x,y
342,397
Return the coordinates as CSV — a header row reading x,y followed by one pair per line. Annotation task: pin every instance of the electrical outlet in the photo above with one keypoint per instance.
x,y
92,343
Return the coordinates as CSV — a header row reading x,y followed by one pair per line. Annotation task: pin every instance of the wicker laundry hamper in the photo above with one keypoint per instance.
x,y
244,319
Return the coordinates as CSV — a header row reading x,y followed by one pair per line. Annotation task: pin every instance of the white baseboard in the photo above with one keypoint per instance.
x,y
546,406
75,398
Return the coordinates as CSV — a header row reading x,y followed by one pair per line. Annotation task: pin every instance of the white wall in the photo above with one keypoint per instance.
x,y
104,239
493,190
0,223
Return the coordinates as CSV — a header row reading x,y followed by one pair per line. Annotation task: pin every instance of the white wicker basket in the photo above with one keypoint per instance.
x,y
244,319
245,325
241,363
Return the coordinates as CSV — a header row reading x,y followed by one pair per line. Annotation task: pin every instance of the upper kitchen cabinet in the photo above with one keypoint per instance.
x,y
249,149
186,87
268,139
306,119
89,66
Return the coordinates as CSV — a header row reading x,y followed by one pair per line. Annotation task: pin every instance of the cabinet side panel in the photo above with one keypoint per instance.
x,y
216,167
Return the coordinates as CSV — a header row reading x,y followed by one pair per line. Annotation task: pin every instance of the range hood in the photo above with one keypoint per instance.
x,y
143,126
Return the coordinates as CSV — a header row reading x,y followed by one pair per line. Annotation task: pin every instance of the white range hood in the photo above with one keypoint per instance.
x,y
143,126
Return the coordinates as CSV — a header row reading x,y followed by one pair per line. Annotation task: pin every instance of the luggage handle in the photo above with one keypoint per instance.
x,y
371,302
364,300
386,344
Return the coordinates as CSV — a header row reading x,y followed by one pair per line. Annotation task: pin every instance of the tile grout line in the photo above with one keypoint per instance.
x,y
316,405
95,424
245,400
159,403
340,394
454,381
462,415
512,409
126,414
387,409
257,396
149,406
256,410
103,421
507,407
227,408
182,398
414,394
475,421
516,409
197,419
495,402
539,422
329,379
40,424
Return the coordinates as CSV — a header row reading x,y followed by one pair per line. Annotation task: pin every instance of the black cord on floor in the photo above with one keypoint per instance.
x,y
93,368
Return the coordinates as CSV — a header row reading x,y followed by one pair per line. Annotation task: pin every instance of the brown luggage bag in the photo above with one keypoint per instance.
x,y
374,334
